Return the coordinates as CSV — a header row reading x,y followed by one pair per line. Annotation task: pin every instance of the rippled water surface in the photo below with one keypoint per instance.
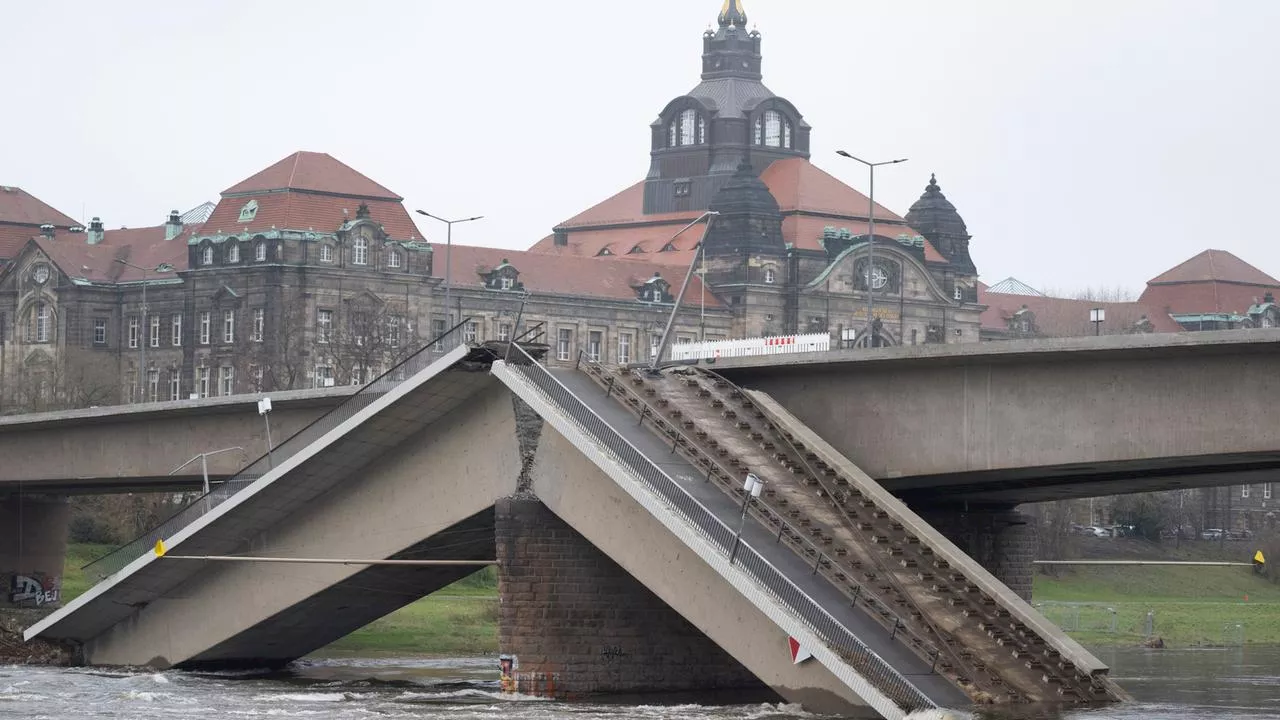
x,y
1166,684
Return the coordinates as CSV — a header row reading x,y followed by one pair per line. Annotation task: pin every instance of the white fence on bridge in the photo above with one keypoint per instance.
x,y
780,345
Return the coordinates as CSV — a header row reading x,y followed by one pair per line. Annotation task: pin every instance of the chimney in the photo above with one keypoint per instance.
x,y
173,228
47,231
95,233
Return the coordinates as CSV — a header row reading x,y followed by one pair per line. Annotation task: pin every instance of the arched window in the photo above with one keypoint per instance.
x,y
393,259
672,130
233,253
773,130
689,127
40,329
206,257
260,251
702,129
360,251
326,253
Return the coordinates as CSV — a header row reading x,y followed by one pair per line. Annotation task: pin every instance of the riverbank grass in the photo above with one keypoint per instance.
x,y
1189,606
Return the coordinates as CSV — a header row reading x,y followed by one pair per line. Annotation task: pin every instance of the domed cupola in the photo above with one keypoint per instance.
x,y
934,217
749,220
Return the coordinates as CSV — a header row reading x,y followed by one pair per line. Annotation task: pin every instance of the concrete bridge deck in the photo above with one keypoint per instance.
x,y
382,484
1027,421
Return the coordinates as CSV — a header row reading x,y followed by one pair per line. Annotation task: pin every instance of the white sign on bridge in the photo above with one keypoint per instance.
x,y
779,345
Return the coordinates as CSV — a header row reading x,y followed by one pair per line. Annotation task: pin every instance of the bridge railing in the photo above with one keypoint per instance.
x,y
751,347
694,514
434,349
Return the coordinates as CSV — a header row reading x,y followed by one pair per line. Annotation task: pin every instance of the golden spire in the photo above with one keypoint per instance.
x,y
733,14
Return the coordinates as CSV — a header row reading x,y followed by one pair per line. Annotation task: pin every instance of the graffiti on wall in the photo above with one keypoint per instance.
x,y
36,589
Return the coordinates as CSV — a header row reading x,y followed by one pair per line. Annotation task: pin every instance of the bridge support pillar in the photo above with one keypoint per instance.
x,y
1002,540
576,624
33,548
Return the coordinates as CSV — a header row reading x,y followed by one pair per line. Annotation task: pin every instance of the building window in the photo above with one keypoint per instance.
x,y
624,348
393,259
99,331
595,339
504,332
655,341
1266,491
684,189
44,325
228,326
564,344
206,255
773,130
249,211
438,329
687,128
326,253
226,380
469,332
393,331
324,376
259,323
133,331
233,253
324,325
770,277
153,385
260,252
360,251
1244,491
175,384
508,283
153,332
202,382
176,331
255,376
204,327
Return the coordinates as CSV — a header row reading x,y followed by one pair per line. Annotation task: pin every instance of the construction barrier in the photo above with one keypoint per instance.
x,y
780,345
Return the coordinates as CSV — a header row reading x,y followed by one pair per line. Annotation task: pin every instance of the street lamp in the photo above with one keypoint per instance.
x,y
752,487
1097,316
871,234
448,260
142,328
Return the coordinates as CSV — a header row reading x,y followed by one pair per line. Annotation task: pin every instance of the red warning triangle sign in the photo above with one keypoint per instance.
x,y
798,653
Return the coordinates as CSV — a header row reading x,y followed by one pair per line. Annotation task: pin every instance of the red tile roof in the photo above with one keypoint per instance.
x,y
309,211
810,198
313,172
1067,317
1215,281
1215,265
21,215
546,274
800,185
144,247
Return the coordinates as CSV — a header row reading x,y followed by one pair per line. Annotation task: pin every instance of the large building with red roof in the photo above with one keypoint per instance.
x,y
308,272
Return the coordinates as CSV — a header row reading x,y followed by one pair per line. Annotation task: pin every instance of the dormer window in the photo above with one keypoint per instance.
x,y
635,250
508,282
770,277
249,211
684,188
393,259
604,252
233,253
687,128
206,255
503,277
655,290
669,247
260,252
773,130
326,253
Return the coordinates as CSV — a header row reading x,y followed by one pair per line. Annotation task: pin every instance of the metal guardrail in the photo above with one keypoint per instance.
x,y
116,560
837,637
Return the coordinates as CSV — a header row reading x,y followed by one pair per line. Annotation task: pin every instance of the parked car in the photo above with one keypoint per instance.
x,y
1102,532
1212,534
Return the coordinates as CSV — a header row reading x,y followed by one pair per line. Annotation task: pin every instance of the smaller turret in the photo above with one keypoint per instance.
x,y
936,218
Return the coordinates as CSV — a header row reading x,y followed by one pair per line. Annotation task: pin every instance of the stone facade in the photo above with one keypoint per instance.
x,y
579,625
1002,541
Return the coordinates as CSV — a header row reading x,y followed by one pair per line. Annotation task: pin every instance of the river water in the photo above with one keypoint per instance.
x,y
1166,685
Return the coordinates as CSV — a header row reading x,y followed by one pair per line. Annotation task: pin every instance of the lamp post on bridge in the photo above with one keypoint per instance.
x,y
869,278
752,487
448,259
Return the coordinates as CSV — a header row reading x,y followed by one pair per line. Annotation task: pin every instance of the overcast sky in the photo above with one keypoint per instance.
x,y
1085,142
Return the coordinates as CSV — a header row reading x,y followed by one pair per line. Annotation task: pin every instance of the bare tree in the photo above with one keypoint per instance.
x,y
371,337
1102,293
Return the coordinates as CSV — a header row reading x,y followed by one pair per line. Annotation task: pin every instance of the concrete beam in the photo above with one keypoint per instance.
x,y
33,548
432,484
1008,422
132,448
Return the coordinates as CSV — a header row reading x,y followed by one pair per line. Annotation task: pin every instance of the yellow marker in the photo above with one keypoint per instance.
x,y
1258,558
160,548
